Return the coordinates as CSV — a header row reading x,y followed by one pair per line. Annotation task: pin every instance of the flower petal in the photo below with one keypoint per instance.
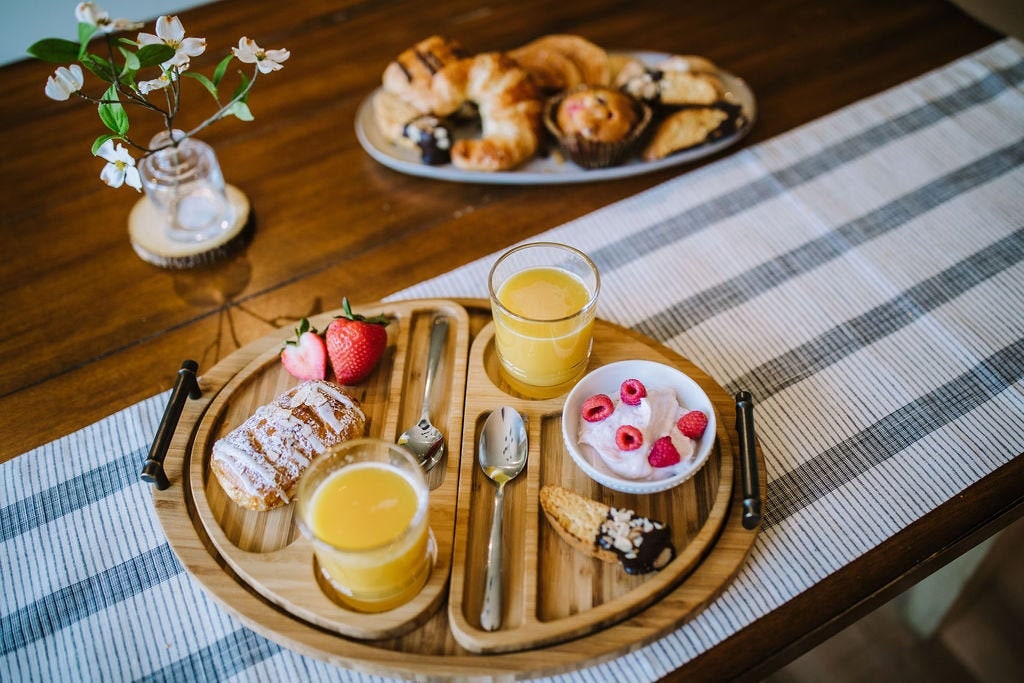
x,y
193,47
132,178
170,29
64,82
90,13
112,175
278,55
106,151
247,50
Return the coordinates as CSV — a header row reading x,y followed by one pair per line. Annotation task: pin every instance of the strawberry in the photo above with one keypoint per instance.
x,y
631,391
693,424
305,356
628,438
663,453
597,408
355,344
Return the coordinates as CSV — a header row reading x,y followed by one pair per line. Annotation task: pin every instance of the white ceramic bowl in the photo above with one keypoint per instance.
x,y
606,380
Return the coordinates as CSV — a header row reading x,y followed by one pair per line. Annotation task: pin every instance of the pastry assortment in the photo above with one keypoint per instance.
x,y
559,95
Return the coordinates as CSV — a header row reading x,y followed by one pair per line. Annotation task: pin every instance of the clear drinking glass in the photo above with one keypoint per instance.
x,y
185,184
543,301
364,506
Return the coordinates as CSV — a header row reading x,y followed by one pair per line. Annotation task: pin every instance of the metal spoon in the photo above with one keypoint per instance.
x,y
423,439
502,454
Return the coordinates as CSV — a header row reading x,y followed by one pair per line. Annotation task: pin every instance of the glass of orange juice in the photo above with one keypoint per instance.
x,y
363,504
543,301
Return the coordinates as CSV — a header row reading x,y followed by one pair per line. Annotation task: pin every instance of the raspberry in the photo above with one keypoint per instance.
x,y
693,424
631,391
628,438
663,453
597,408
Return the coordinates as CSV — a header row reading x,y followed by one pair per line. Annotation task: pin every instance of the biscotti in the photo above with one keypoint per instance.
x,y
639,544
258,464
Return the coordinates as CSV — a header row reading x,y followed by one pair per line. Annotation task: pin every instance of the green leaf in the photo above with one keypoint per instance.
x,y
100,67
131,60
240,110
156,53
101,139
207,83
112,114
241,87
222,67
54,50
85,33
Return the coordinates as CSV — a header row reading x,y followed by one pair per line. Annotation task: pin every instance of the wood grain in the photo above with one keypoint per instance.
x,y
258,566
84,317
90,329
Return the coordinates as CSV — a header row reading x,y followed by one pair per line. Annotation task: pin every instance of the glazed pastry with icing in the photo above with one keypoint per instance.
x,y
258,464
639,544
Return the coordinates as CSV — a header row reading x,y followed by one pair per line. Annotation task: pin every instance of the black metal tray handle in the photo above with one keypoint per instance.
x,y
187,386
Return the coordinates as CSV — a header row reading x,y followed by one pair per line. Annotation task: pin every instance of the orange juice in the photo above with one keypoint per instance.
x,y
543,335
373,521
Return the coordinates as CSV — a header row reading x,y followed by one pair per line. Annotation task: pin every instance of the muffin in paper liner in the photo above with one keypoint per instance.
x,y
593,154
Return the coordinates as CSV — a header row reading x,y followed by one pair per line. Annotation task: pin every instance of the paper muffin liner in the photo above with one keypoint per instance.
x,y
592,154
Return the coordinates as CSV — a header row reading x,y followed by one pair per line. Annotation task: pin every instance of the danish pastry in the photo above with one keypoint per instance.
x,y
686,128
678,80
411,74
562,61
258,464
639,544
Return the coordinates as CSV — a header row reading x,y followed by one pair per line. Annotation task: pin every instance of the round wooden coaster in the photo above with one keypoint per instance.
x,y
151,243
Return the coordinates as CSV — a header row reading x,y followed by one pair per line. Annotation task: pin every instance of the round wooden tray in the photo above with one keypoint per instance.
x,y
564,610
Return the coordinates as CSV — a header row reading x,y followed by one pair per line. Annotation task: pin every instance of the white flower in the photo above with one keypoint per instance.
x,y
165,79
265,60
120,168
64,82
91,13
170,32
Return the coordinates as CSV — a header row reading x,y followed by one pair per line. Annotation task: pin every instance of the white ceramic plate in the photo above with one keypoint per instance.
x,y
606,380
548,171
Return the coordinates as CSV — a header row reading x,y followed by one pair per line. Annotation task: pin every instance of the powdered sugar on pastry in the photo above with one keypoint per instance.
x,y
259,462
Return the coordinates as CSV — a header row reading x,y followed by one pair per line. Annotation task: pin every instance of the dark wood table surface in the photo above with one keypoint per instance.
x,y
89,328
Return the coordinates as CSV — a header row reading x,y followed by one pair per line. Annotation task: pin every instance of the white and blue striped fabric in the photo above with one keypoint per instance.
x,y
862,275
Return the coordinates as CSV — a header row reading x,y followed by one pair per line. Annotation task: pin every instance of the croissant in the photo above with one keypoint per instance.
x,y
411,74
258,464
508,104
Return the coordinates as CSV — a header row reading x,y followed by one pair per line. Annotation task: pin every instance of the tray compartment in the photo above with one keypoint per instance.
x,y
265,549
553,593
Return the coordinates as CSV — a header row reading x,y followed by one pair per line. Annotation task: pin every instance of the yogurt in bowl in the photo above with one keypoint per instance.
x,y
638,426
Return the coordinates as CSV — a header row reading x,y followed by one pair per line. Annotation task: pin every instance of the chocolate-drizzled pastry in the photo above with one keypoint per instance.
x,y
639,544
432,137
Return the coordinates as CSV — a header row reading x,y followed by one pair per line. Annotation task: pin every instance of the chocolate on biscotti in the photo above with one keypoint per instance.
x,y
639,544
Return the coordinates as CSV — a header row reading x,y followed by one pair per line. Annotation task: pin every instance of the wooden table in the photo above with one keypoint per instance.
x,y
89,328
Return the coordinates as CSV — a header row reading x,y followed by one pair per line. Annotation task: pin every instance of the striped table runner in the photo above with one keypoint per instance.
x,y
862,275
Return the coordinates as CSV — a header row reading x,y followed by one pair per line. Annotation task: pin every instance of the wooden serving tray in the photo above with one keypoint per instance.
x,y
563,609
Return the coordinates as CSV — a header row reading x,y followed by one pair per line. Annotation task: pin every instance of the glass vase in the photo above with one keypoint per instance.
x,y
185,184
